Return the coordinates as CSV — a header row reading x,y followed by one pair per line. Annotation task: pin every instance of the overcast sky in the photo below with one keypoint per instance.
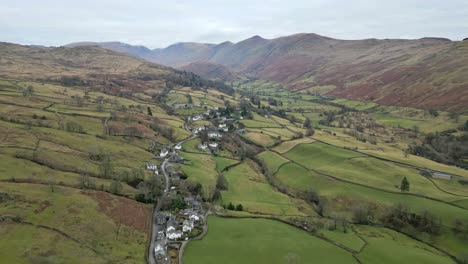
x,y
155,23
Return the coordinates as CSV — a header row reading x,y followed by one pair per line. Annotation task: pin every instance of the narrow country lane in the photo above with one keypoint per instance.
x,y
155,228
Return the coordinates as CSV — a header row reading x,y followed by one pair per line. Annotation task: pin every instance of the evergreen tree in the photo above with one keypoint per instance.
x,y
150,113
405,186
239,207
230,206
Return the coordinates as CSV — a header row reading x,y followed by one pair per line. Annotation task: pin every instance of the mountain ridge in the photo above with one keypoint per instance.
x,y
387,71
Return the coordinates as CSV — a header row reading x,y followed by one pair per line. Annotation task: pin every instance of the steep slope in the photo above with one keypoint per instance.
x,y
211,71
136,51
181,54
424,73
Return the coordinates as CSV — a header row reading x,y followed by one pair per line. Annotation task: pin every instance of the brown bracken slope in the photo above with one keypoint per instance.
x,y
422,73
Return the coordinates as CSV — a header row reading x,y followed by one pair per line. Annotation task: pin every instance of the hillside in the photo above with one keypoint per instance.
x,y
76,136
211,71
107,158
136,51
424,73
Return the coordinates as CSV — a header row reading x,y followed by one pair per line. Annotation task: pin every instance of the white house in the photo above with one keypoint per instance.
x,y
197,117
178,147
151,166
222,125
187,226
214,135
213,145
194,217
171,226
174,234
160,248
164,152
203,146
198,129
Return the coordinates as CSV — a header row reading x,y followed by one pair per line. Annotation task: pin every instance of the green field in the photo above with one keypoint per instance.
x,y
273,160
222,163
247,186
268,241
201,168
114,236
260,241
387,246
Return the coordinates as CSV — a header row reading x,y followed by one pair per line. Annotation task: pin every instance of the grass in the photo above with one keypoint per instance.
x,y
116,239
410,118
320,153
24,170
272,160
345,195
387,246
247,186
282,132
288,145
222,163
392,152
358,105
258,124
201,168
348,239
25,244
260,241
354,167
260,138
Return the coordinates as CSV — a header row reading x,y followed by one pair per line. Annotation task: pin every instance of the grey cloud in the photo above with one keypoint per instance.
x,y
160,23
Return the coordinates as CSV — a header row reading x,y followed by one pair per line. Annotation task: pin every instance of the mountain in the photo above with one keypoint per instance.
x,y
93,67
423,73
211,71
136,51
181,54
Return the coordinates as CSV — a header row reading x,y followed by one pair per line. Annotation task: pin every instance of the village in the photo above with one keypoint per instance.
x,y
185,219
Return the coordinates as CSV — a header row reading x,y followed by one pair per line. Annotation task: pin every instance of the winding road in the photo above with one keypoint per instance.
x,y
156,228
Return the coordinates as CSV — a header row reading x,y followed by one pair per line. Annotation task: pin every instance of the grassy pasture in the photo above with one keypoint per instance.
x,y
345,195
273,160
201,168
117,232
288,145
247,186
260,138
258,124
26,244
260,241
358,105
222,163
392,152
387,246
354,167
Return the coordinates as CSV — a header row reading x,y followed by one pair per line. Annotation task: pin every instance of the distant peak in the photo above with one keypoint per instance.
x,y
225,43
256,37
436,38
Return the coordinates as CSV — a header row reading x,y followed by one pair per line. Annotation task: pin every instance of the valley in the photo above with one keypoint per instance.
x,y
108,158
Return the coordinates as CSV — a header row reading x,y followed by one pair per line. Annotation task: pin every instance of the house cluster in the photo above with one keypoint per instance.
x,y
176,227
153,167
197,117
